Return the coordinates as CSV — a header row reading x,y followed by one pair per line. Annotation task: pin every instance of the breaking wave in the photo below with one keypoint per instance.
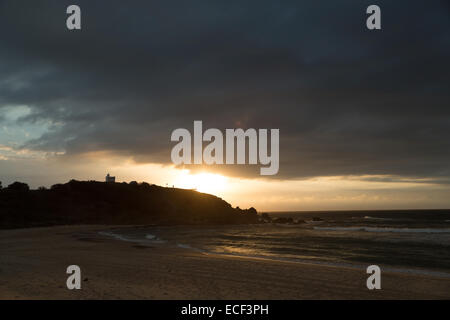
x,y
378,219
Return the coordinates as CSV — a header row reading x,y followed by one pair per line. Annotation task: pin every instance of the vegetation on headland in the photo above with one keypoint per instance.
x,y
91,202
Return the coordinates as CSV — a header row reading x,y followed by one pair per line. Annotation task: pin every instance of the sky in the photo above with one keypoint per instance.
x,y
364,116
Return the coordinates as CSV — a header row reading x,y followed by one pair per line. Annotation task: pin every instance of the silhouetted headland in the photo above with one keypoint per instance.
x,y
91,202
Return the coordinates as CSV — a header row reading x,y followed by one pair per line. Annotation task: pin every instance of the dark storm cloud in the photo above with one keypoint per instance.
x,y
347,101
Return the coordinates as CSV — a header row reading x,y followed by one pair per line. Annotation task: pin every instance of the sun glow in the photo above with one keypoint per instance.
x,y
203,182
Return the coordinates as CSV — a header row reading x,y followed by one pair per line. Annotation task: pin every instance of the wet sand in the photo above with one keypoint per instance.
x,y
33,265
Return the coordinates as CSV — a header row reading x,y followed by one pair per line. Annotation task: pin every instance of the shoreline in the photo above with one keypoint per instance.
x,y
356,266
34,261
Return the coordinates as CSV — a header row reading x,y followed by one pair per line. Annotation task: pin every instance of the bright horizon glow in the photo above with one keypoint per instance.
x,y
203,182
319,193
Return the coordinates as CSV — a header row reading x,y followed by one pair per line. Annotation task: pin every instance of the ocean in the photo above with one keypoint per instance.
x,y
403,241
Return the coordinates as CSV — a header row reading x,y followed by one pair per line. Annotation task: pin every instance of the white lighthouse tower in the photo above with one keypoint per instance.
x,y
110,179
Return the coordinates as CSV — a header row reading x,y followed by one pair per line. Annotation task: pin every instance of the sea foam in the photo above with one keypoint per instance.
x,y
387,229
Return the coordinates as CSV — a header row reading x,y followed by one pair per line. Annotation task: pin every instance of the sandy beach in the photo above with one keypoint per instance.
x,y
33,265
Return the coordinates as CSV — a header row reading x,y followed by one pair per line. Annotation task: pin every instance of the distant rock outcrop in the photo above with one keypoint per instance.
x,y
79,202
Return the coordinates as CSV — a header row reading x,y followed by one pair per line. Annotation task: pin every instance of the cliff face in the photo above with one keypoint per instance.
x,y
115,203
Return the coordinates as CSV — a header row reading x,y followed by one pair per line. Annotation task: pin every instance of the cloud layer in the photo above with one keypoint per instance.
x,y
347,101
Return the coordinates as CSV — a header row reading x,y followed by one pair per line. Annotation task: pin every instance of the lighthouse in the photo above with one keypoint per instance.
x,y
110,179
